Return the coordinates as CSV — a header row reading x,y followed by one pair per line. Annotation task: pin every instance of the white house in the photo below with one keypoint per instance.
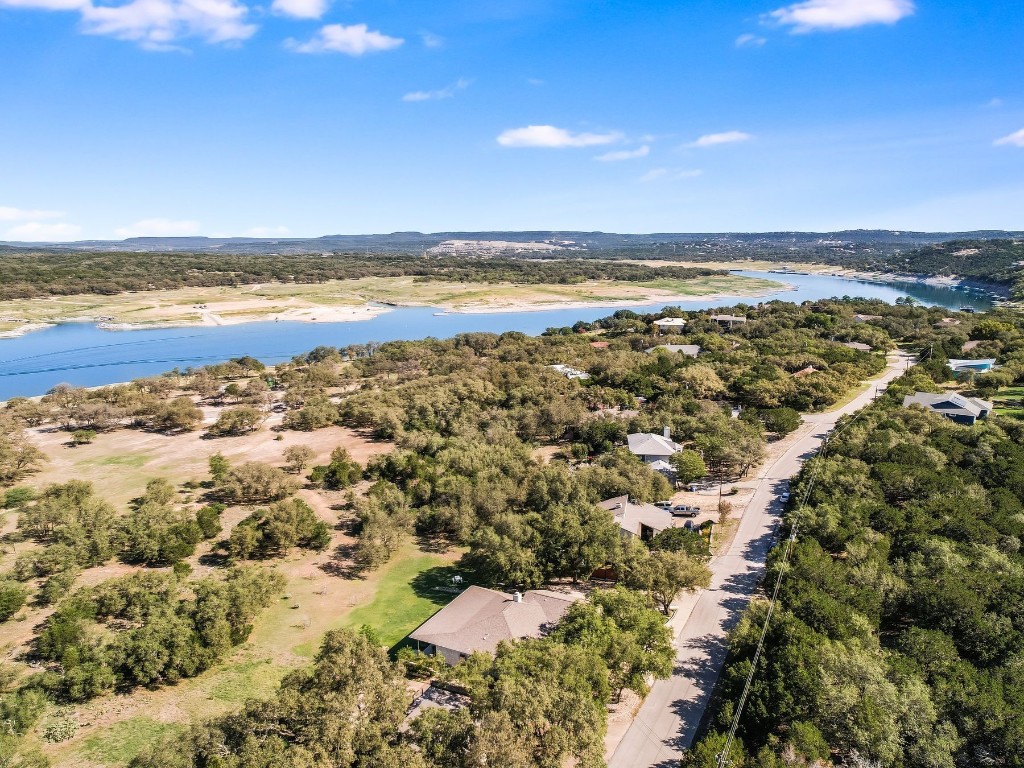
x,y
972,366
650,447
569,372
667,324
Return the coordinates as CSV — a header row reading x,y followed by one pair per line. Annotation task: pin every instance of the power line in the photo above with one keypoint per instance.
x,y
723,756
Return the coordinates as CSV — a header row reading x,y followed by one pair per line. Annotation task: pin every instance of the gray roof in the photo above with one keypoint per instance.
x,y
949,403
647,444
630,516
857,345
479,619
692,350
728,319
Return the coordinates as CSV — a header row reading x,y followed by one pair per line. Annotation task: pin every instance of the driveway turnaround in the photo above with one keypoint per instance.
x,y
672,711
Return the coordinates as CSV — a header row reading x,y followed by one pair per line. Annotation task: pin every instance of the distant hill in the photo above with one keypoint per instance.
x,y
713,245
998,260
995,258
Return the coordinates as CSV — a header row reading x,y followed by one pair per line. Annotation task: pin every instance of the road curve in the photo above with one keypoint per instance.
x,y
669,716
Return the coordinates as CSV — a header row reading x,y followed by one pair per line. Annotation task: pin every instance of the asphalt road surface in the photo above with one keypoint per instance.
x,y
672,711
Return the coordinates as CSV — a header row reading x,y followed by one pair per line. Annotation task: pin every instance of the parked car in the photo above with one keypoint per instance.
x,y
663,504
685,510
784,498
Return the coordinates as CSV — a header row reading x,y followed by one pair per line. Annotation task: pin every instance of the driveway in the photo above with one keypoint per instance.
x,y
669,716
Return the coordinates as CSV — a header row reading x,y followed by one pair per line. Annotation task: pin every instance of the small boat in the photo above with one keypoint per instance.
x,y
441,314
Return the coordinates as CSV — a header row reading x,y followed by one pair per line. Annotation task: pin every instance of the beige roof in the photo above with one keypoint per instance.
x,y
480,618
728,318
631,516
857,346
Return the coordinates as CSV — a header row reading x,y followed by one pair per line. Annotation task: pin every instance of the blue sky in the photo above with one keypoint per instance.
x,y
312,117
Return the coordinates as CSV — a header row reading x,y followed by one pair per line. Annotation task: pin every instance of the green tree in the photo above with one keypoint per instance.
x,y
254,483
623,628
689,465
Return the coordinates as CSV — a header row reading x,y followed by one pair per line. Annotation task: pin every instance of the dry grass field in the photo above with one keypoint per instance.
x,y
321,592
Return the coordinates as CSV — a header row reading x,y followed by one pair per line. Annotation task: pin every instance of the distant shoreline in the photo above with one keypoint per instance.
x,y
212,313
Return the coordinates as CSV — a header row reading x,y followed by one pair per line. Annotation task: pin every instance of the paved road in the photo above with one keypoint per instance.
x,y
673,709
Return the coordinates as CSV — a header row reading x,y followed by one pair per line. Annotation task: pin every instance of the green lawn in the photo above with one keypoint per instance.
x,y
122,741
411,590
1009,401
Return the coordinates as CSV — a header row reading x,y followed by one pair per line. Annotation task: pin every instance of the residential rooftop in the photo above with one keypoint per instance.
x,y
479,618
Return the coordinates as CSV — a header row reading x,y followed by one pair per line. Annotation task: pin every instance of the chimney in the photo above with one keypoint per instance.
x,y
517,597
668,433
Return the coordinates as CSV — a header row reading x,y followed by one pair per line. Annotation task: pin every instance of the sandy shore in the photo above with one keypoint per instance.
x,y
497,308
24,328
209,318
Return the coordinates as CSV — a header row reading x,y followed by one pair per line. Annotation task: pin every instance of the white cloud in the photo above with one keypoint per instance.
x,y
44,5
750,41
354,40
625,154
824,15
654,174
1013,140
300,9
550,137
717,139
41,231
670,174
157,24
267,232
995,103
534,81
430,40
158,228
442,93
21,214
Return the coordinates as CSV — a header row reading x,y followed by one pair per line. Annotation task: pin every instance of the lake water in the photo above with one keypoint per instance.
x,y
84,355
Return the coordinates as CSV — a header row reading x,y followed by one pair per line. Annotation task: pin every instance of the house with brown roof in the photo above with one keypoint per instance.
x,y
479,619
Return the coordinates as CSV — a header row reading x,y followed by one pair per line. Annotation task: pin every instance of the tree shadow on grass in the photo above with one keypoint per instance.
x,y
433,543
443,583
341,563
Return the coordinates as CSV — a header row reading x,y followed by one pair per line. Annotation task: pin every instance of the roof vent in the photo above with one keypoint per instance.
x,y
517,597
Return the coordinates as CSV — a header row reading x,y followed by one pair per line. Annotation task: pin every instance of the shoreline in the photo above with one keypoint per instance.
x,y
25,329
370,310
610,303
320,314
